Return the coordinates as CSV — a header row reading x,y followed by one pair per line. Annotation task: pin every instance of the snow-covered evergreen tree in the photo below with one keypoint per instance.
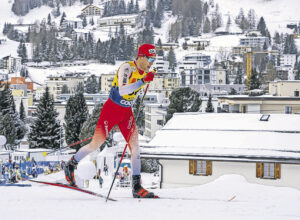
x,y
254,82
91,85
207,26
136,7
65,89
76,115
297,73
22,111
63,17
289,45
159,13
262,27
172,59
8,129
45,130
239,77
7,106
84,21
159,49
49,19
183,100
251,18
209,106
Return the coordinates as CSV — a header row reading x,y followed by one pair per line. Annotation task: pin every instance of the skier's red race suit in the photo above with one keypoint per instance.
x,y
117,111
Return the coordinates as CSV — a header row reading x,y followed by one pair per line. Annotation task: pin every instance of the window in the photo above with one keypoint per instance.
x,y
288,109
268,170
296,93
160,122
200,167
264,118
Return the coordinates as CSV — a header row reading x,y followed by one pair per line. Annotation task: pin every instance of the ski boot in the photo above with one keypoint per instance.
x,y
69,171
138,191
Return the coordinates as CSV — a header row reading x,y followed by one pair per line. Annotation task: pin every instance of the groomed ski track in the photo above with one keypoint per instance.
x,y
208,201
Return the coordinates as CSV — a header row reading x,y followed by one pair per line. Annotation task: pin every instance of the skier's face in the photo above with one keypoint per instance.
x,y
147,62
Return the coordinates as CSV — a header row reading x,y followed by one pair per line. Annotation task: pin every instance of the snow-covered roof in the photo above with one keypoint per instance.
x,y
4,152
119,17
34,150
69,19
224,135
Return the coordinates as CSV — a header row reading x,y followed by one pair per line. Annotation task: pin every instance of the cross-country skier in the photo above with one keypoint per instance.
x,y
129,80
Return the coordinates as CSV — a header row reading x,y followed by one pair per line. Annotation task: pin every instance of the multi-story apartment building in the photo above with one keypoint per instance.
x,y
195,69
260,104
91,10
4,74
55,83
165,83
161,65
218,89
133,20
12,64
22,91
254,41
218,75
285,88
106,82
287,63
155,113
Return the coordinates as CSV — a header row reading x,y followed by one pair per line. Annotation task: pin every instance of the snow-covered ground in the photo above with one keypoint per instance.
x,y
277,13
228,197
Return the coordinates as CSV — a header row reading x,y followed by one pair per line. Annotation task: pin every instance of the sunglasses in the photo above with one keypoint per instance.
x,y
150,59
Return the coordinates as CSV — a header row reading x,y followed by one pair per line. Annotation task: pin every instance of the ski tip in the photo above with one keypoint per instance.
x,y
156,197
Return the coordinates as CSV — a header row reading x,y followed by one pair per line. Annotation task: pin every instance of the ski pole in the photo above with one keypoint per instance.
x,y
73,144
126,146
116,172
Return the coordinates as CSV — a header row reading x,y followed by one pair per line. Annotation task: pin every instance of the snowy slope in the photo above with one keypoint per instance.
x,y
209,201
38,14
277,13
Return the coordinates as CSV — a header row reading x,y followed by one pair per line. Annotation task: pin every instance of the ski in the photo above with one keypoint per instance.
x,y
181,198
71,187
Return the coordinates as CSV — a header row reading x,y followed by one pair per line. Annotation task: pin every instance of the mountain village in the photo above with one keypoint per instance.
x,y
246,76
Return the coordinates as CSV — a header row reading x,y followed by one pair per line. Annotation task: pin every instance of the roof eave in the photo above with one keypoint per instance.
x,y
224,158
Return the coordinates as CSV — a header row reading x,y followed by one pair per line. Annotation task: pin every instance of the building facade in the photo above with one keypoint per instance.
x,y
12,64
259,104
56,83
254,42
287,64
195,69
106,82
91,10
285,88
196,148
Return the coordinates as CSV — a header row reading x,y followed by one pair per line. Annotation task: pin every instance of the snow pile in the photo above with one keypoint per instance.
x,y
228,197
86,170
